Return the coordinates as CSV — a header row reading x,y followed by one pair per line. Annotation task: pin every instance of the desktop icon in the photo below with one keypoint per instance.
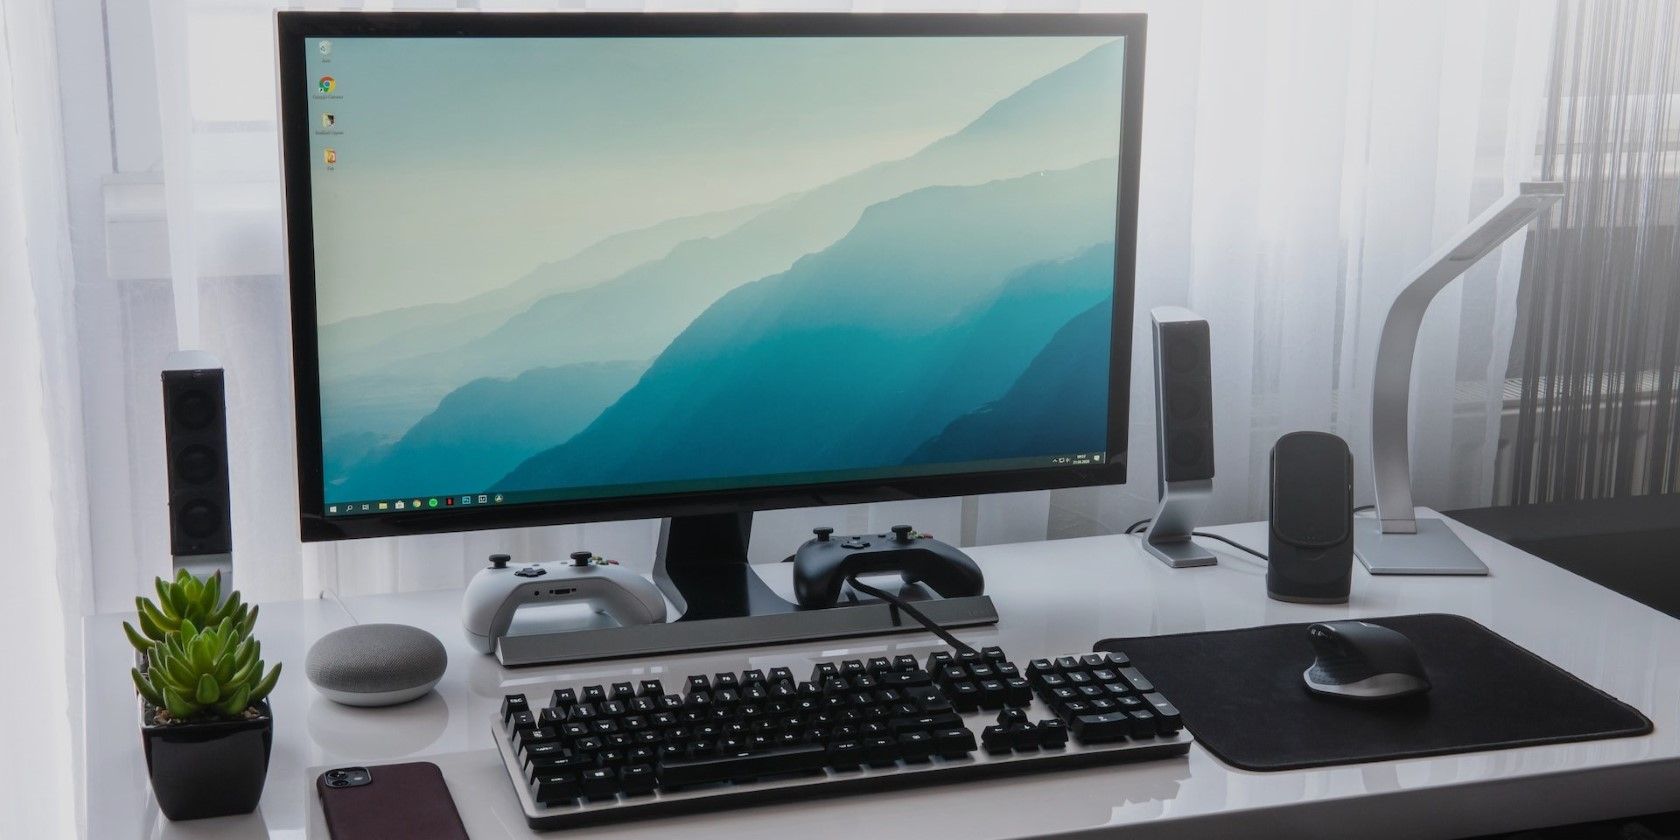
x,y
327,84
466,500
431,503
332,509
399,504
382,505
498,498
483,499
328,120
330,156
324,47
417,503
364,507
449,502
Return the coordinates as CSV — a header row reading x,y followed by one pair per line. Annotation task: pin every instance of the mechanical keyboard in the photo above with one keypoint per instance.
x,y
594,754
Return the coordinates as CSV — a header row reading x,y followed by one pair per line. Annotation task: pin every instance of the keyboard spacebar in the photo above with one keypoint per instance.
x,y
723,768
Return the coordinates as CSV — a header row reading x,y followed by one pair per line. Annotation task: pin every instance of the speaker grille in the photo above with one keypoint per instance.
x,y
195,437
1185,389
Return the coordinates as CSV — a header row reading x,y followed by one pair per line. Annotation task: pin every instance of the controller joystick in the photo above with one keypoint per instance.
x,y
821,565
497,591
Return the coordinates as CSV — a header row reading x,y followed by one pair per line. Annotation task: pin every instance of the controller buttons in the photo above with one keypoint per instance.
x,y
854,543
499,561
531,572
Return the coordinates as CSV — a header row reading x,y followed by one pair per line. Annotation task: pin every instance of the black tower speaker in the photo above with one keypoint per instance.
x,y
1311,545
1184,386
1183,434
195,440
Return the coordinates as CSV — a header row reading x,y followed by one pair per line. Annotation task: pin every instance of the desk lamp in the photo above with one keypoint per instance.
x,y
1395,542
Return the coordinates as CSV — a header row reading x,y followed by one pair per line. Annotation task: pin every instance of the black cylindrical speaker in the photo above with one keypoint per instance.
x,y
195,441
1311,545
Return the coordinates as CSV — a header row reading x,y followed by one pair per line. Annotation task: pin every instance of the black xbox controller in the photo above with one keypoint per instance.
x,y
822,564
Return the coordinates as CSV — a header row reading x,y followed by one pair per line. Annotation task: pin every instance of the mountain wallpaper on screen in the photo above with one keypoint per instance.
x,y
946,303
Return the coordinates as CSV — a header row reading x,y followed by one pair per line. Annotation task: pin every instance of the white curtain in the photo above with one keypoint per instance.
x,y
42,507
1298,159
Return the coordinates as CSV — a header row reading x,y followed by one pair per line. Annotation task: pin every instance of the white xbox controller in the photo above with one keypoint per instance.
x,y
498,591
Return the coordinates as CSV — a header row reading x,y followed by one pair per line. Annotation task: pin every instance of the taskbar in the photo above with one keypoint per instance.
x,y
468,501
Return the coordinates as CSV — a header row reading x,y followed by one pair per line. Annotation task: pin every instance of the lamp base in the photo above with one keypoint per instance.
x,y
1433,550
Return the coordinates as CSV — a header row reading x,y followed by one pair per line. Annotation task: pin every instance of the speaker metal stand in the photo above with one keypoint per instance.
x,y
1168,537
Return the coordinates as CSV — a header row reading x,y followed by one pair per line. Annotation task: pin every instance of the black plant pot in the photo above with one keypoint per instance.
x,y
213,769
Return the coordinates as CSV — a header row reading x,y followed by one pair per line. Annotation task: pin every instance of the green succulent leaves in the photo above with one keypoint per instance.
x,y
186,600
201,661
205,673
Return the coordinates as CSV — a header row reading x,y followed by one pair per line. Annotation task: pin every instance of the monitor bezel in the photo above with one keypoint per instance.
x,y
293,27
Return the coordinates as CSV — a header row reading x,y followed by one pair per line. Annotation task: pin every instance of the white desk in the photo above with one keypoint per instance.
x,y
1053,597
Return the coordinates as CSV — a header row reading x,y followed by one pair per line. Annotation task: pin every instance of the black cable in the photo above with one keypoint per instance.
x,y
1132,528
900,603
1364,507
1232,543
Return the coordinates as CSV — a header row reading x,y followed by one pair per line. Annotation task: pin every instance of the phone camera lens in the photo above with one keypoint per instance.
x,y
337,774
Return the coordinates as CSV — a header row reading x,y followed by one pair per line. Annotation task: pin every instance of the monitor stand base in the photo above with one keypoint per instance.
x,y
702,569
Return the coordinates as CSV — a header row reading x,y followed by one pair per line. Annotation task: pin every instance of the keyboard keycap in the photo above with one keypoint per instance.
x,y
513,704
915,746
1143,723
923,723
956,742
599,783
1023,737
1052,734
880,751
636,779
903,679
1136,679
742,765
1165,713
558,789
1096,729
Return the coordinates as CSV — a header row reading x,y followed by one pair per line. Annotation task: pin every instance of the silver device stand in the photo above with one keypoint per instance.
x,y
1168,537
701,567
1395,542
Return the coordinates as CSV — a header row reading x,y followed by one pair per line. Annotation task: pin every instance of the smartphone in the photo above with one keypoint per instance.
x,y
393,802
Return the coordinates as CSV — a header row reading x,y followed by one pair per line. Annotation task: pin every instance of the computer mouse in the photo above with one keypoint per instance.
x,y
1359,660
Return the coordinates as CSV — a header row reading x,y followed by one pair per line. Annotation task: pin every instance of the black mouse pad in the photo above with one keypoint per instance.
x,y
1241,695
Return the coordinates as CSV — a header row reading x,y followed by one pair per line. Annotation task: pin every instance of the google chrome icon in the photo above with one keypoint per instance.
x,y
327,84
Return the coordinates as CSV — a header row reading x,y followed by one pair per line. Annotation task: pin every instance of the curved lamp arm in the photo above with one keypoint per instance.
x,y
1391,385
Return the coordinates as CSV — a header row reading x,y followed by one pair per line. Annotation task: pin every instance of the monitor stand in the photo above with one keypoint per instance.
x,y
721,601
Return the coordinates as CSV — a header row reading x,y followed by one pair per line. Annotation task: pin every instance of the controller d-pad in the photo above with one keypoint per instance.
x,y
531,572
854,543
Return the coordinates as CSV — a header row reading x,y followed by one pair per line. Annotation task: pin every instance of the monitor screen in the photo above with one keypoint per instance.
x,y
549,269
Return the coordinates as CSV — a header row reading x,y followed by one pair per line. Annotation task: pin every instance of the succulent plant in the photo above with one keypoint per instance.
x,y
213,672
187,599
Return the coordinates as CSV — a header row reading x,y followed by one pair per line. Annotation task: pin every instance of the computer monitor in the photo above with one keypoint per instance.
x,y
552,268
